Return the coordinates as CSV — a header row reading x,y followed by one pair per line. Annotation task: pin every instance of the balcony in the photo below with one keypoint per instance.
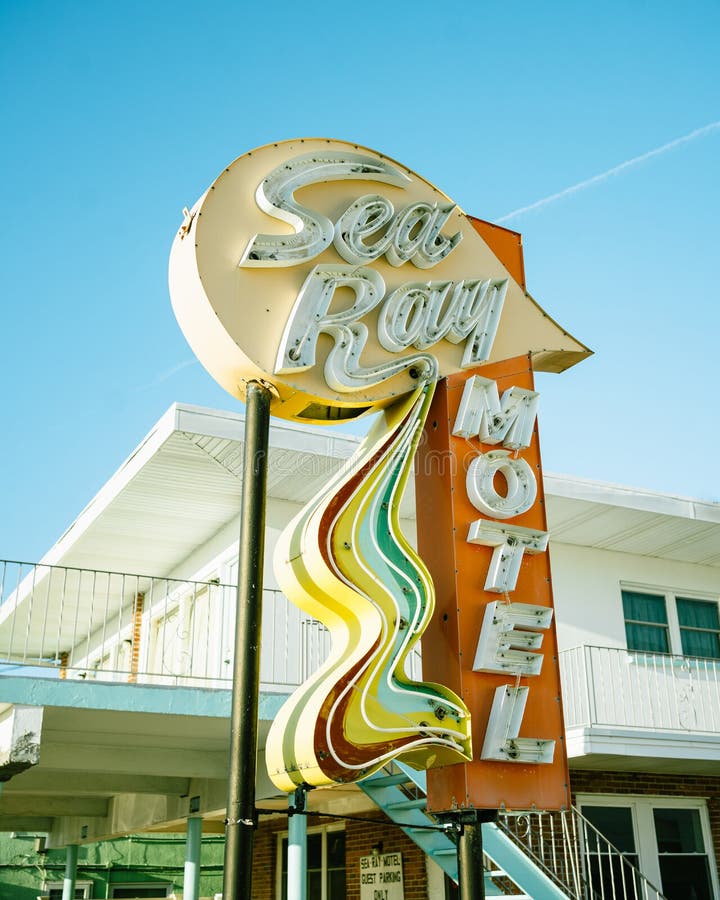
x,y
99,626
623,709
630,709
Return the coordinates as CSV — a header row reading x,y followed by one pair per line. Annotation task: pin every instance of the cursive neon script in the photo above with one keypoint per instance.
x,y
415,315
412,234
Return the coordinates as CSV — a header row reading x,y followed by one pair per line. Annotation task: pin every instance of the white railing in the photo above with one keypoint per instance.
x,y
573,853
112,626
108,626
616,687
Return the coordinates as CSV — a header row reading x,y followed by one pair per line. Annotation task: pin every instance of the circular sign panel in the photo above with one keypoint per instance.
x,y
340,277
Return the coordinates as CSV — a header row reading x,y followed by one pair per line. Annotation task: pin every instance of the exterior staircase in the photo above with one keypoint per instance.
x,y
400,792
527,855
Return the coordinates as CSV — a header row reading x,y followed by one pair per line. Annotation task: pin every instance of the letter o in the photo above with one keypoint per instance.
x,y
519,477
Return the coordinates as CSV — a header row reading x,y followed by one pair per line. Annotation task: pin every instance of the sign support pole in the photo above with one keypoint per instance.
x,y
71,858
241,818
297,847
471,873
467,824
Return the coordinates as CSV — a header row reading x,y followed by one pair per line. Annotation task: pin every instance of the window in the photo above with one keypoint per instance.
x,y
684,867
54,890
699,627
666,623
140,889
325,864
667,839
646,623
615,823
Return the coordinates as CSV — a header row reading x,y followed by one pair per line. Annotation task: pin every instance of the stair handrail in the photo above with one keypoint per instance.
x,y
573,890
578,835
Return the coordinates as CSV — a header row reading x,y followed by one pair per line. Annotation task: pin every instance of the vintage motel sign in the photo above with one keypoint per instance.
x,y
482,532
347,283
339,276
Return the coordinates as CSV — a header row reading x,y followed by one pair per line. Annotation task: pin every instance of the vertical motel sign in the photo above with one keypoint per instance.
x,y
482,531
345,283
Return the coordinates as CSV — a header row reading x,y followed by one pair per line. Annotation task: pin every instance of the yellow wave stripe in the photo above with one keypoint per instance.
x,y
345,561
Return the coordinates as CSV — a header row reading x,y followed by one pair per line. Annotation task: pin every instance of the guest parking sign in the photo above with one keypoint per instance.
x,y
381,877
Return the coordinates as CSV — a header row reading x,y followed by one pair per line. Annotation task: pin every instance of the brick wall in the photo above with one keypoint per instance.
x,y
359,840
265,858
648,784
360,837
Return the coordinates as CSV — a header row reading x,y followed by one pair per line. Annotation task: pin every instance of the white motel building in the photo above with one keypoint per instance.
x,y
116,652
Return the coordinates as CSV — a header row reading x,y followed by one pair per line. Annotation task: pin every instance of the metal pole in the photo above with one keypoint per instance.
x,y
71,855
241,816
471,872
297,848
193,844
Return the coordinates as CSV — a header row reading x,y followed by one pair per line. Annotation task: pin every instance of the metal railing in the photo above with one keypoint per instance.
x,y
90,624
576,856
112,626
618,687
564,845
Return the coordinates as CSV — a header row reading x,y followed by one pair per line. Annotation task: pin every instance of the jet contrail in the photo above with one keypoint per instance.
x,y
168,373
635,161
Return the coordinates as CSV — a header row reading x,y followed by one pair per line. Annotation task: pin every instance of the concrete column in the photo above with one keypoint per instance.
x,y
71,854
297,850
193,845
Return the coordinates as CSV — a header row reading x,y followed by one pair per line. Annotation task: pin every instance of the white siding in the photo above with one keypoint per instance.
x,y
587,585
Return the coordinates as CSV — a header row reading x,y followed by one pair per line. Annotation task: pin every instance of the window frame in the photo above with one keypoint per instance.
x,y
159,886
699,629
58,886
642,807
670,596
316,829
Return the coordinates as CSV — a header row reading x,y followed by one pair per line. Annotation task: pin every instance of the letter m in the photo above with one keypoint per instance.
x,y
483,414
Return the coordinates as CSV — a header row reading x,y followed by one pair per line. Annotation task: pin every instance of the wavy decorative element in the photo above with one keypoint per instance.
x,y
345,561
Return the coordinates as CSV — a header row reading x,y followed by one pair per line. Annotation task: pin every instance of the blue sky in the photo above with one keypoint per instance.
x,y
115,116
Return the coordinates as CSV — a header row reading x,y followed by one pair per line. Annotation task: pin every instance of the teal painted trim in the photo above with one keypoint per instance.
x,y
181,701
523,871
385,792
417,776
